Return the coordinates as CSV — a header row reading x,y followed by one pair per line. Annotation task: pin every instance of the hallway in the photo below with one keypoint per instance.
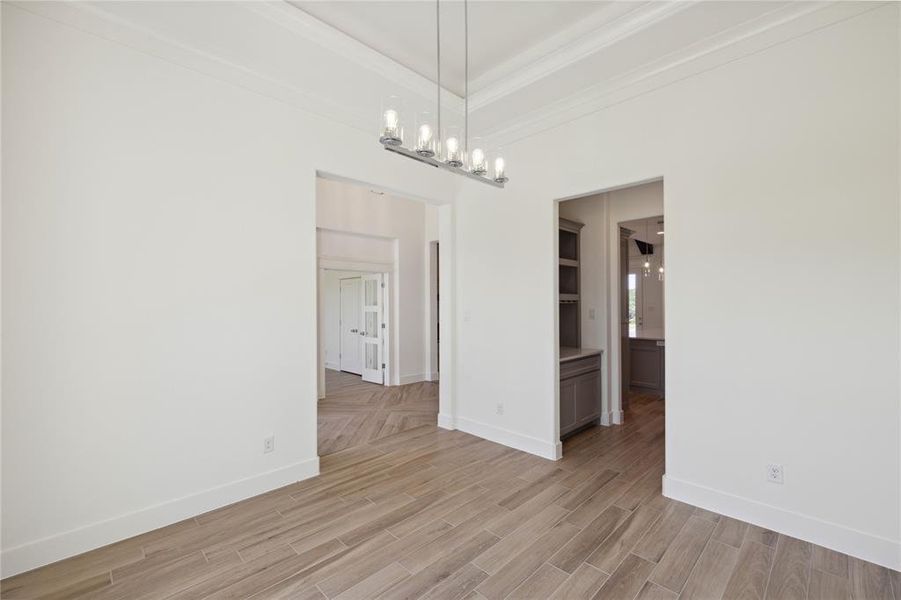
x,y
355,412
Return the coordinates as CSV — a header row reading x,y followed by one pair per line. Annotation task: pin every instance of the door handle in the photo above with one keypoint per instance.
x,y
362,333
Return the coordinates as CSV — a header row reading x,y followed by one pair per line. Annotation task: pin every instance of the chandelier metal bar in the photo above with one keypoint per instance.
x,y
441,165
466,78
391,136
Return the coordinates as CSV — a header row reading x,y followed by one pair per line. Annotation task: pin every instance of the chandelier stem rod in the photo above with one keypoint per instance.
x,y
466,77
438,44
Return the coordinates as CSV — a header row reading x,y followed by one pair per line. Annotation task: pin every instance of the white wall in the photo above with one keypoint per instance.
x,y
432,268
772,160
159,268
602,214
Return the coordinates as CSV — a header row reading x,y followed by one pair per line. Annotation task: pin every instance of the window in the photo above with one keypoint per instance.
x,y
633,318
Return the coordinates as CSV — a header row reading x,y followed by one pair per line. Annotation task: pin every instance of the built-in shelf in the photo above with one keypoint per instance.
x,y
569,241
580,368
569,280
568,283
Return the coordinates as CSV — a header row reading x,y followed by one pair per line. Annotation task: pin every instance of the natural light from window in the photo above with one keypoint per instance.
x,y
633,320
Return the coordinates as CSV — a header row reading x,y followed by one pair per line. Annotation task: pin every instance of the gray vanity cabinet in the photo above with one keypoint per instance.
x,y
647,372
580,391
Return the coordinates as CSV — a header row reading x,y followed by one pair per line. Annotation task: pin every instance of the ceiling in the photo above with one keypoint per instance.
x,y
534,64
646,230
499,31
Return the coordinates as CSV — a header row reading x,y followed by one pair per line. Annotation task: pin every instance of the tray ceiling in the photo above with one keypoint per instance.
x,y
534,64
498,31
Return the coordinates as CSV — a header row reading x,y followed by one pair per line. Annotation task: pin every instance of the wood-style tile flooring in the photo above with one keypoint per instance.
x,y
429,513
355,412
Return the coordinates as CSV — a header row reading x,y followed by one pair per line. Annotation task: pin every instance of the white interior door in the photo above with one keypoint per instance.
x,y
351,351
373,329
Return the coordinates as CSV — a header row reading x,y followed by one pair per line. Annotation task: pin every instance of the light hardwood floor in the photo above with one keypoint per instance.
x,y
428,513
355,412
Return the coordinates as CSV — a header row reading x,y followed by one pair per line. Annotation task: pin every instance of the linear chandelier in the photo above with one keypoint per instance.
x,y
451,155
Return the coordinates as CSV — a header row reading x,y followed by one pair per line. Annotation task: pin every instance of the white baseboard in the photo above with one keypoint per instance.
x,y
332,366
446,421
414,378
617,417
434,376
63,545
549,450
866,546
606,419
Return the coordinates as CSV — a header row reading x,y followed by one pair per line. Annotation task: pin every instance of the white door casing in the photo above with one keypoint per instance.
x,y
351,347
372,328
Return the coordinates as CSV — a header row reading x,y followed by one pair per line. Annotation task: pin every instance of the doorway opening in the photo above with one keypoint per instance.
x,y
377,315
642,340
610,310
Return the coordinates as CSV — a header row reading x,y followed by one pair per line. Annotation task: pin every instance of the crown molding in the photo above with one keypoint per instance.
x,y
96,20
298,21
545,58
770,29
605,16
776,26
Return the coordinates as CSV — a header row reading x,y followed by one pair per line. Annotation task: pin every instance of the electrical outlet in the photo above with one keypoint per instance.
x,y
775,474
269,444
500,408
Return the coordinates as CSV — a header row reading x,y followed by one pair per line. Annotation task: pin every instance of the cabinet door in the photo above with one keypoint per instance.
x,y
587,397
645,363
567,405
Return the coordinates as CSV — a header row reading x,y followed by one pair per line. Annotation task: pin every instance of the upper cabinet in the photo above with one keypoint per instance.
x,y
568,283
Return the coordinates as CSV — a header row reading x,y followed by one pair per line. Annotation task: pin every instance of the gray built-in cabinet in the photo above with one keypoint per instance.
x,y
647,372
580,368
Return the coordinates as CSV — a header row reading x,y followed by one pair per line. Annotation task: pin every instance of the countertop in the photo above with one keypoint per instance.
x,y
568,353
646,333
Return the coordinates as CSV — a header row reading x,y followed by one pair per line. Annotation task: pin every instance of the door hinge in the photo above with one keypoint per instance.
x,y
383,325
383,365
383,286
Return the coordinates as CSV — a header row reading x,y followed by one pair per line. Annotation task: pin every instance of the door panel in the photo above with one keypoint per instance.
x,y
588,396
373,331
567,405
351,343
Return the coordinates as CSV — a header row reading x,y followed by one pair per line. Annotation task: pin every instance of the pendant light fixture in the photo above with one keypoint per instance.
x,y
446,149
648,248
660,267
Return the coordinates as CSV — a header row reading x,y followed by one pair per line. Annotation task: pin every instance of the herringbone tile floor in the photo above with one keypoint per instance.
x,y
355,412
